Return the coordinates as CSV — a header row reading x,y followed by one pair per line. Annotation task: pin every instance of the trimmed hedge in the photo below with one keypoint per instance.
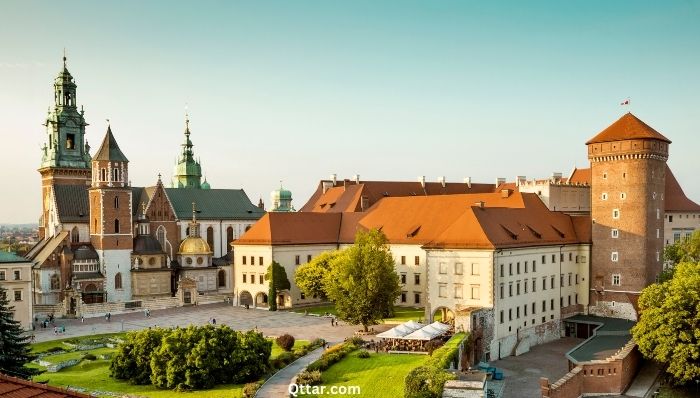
x,y
428,380
332,355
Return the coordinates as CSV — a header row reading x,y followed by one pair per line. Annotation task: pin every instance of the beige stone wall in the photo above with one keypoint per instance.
x,y
21,287
150,284
678,225
406,267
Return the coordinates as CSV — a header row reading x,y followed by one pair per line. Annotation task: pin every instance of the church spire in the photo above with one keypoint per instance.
x,y
188,171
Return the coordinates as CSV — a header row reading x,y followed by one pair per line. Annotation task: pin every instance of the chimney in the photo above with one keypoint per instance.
x,y
334,178
327,185
556,177
520,180
500,181
422,181
468,181
480,204
441,180
356,177
506,192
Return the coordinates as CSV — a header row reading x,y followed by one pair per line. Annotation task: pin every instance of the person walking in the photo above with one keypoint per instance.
x,y
332,322
82,319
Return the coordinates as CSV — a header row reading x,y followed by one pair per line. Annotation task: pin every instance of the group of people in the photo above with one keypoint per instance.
x,y
108,316
45,323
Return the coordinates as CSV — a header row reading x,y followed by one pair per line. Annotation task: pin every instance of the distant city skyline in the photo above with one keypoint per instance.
x,y
296,91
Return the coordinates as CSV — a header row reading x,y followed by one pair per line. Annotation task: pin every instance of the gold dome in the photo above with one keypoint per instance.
x,y
194,245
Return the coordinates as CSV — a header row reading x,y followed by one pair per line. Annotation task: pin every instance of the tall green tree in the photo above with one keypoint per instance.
x,y
362,282
276,275
309,277
668,330
15,352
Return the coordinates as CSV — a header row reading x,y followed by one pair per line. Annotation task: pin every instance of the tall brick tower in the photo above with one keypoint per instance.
x,y
111,222
65,156
628,163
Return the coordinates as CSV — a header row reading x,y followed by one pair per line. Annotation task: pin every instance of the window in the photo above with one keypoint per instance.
x,y
534,266
115,175
517,268
416,260
501,290
510,289
561,279
616,279
561,301
245,278
458,291
604,196
525,285
308,258
571,256
403,260
554,258
297,261
576,298
569,299
18,275
116,226
403,297
551,282
252,260
526,267
501,316
623,195
229,237
510,314
70,138
459,268
116,202
475,269
517,312
403,279
244,259
658,214
502,274
443,268
517,288
118,280
18,295
544,283
260,261
525,310
670,218
416,298
534,285
442,290
534,310
544,307
616,214
544,260
103,174
302,296
613,257
55,282
561,257
615,233
210,239
510,269
222,278
605,176
576,279
2,275
551,304
658,233
416,279
260,278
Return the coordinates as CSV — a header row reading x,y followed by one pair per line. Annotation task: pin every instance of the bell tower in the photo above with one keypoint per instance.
x,y
65,155
628,165
188,171
111,224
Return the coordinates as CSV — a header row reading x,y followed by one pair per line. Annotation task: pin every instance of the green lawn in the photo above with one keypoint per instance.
x,y
401,314
94,375
381,375
46,345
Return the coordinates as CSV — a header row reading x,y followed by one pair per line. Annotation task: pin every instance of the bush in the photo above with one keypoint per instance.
x,y
433,345
309,378
55,349
317,343
364,354
284,359
332,355
250,389
356,340
427,381
286,342
89,357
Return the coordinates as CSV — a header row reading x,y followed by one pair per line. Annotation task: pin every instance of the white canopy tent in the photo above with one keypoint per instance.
x,y
400,331
429,332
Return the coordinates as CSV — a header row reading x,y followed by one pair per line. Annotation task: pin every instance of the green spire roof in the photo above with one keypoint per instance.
x,y
109,150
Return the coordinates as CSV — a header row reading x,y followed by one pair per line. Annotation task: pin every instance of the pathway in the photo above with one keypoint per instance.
x,y
277,386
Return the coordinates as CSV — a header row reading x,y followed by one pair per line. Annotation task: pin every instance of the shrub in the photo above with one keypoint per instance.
x,y
427,381
89,357
433,345
357,340
332,355
250,389
283,359
310,378
364,354
286,342
317,343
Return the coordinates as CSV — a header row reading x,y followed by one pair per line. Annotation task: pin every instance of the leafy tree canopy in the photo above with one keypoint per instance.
x,y
309,277
278,281
669,326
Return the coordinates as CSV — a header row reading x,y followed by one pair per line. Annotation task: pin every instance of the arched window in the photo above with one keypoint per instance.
x,y
222,278
75,235
229,238
55,282
116,202
118,280
160,235
116,226
210,238
187,231
116,174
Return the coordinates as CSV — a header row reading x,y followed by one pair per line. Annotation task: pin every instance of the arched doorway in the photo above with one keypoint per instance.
x,y
284,300
245,298
261,300
444,315
221,278
187,297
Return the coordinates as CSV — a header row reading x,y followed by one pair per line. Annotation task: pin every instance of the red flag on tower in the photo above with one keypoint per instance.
x,y
625,102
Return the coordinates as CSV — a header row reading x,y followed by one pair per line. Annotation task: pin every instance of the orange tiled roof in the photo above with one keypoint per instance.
x,y
346,196
674,197
12,387
580,176
625,128
295,228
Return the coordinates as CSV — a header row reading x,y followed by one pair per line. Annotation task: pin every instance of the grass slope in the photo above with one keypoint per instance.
x,y
381,375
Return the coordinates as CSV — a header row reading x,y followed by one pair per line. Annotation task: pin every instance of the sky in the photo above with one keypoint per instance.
x,y
294,91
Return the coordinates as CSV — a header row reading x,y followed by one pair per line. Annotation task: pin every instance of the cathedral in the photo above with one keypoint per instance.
x,y
106,241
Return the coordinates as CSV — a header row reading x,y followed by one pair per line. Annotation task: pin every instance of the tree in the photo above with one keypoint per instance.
x,y
310,276
276,276
668,330
132,361
14,344
362,281
686,249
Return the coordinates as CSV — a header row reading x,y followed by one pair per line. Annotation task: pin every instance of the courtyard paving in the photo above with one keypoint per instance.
x,y
522,373
306,327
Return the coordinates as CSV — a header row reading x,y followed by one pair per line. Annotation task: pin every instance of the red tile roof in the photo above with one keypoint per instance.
x,y
280,228
580,176
674,197
626,128
346,196
12,387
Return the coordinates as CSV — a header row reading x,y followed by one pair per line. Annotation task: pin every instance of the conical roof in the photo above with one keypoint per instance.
x,y
628,127
109,150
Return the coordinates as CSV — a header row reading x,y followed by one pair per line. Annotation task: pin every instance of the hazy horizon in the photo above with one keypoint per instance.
x,y
296,91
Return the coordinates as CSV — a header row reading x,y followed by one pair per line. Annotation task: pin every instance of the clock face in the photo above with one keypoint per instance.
x,y
189,261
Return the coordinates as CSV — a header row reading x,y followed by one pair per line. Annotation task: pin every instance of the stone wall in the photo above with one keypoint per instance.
x,y
610,376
